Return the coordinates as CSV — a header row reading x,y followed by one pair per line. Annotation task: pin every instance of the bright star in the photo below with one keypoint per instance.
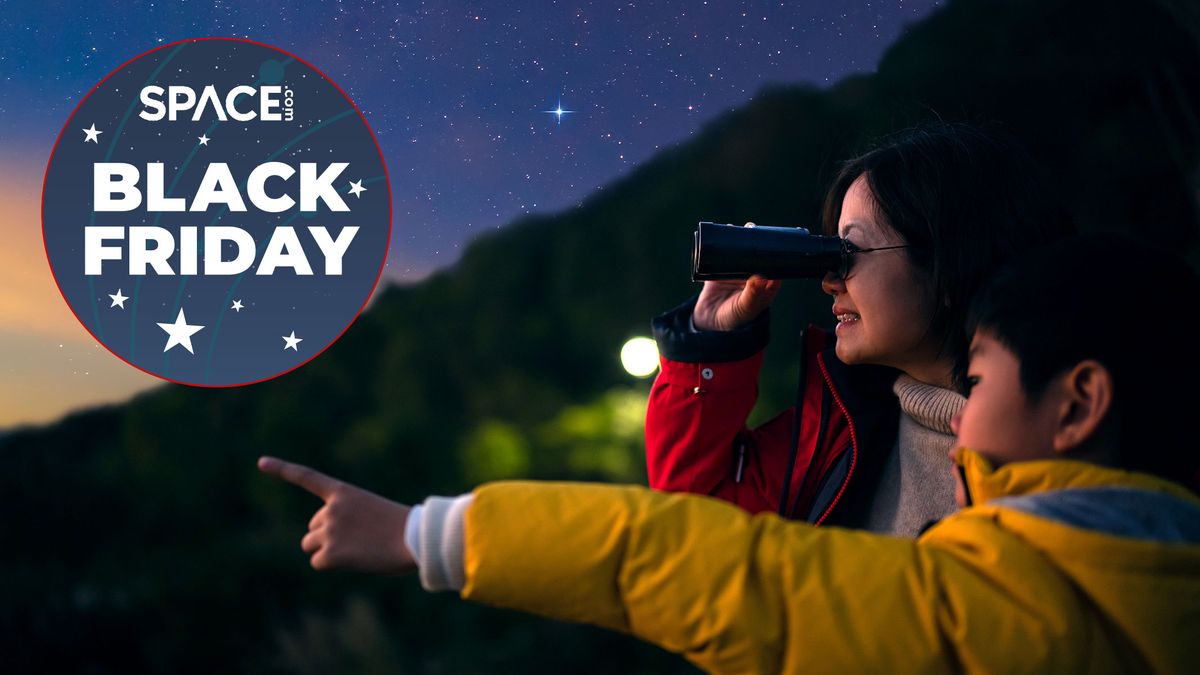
x,y
204,139
93,134
559,112
180,333
118,299
357,189
292,341
237,306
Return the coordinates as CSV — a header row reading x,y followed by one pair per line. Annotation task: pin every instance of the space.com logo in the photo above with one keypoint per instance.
x,y
275,103
203,226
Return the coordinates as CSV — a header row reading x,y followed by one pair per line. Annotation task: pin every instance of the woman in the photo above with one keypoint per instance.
x,y
933,211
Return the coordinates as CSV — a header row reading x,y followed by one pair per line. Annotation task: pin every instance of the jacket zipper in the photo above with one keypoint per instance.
x,y
853,440
962,475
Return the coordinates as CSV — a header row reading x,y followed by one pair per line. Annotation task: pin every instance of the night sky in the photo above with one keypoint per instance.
x,y
457,95
457,92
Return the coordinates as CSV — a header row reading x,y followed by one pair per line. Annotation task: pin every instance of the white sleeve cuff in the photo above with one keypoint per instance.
x,y
434,537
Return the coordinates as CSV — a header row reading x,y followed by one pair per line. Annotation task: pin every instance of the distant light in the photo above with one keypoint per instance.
x,y
640,357
559,112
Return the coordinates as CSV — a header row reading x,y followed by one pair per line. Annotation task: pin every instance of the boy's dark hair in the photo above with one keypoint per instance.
x,y
1114,299
967,200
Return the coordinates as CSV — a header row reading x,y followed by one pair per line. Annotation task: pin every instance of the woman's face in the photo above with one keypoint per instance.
x,y
885,304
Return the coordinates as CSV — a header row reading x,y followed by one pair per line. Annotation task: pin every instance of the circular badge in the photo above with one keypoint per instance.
x,y
216,212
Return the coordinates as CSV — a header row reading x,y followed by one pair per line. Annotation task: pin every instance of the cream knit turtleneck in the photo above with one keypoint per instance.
x,y
917,485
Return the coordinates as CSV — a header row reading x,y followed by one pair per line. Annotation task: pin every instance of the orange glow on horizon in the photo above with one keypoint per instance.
x,y
49,364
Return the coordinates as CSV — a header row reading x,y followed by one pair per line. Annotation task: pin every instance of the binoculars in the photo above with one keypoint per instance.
x,y
736,252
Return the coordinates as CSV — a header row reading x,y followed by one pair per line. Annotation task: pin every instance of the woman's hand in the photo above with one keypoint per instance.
x,y
354,530
726,305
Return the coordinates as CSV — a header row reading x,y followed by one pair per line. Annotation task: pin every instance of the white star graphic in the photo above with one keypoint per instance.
x,y
118,299
204,139
292,341
237,306
180,333
357,189
93,134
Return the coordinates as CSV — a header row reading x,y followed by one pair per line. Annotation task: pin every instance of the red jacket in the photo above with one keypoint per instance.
x,y
697,440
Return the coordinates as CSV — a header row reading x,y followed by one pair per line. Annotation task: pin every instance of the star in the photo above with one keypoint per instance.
x,y
357,189
204,139
292,341
237,306
93,134
180,333
559,111
118,299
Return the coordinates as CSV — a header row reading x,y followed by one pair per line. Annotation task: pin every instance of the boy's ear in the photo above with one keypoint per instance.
x,y
1087,395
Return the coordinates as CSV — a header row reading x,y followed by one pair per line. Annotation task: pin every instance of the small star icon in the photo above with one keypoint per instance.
x,y
93,134
237,306
180,333
292,341
118,299
357,189
204,139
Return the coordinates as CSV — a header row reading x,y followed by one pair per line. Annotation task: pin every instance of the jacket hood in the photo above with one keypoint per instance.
x,y
1127,544
986,483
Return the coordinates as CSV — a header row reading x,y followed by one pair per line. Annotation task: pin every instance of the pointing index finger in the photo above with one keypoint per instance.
x,y
297,474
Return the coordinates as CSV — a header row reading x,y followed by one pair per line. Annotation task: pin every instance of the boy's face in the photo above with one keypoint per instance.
x,y
999,421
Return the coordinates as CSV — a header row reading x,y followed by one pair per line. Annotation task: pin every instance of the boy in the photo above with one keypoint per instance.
x,y
1063,561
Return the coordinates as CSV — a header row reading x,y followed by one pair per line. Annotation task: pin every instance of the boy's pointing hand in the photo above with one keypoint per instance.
x,y
354,530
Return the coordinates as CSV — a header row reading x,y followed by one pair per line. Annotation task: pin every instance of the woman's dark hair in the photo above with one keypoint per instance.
x,y
1116,300
967,200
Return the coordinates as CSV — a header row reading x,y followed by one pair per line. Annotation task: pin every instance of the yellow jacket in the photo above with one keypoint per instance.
x,y
1061,567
